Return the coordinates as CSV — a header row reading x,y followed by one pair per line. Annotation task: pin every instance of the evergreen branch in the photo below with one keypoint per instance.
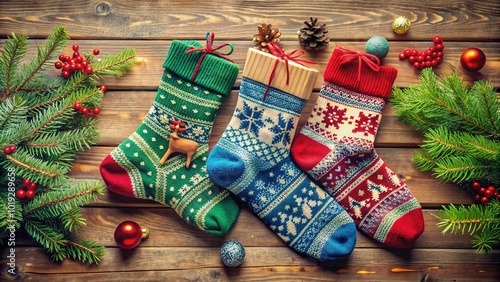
x,y
15,49
489,101
50,239
55,41
442,142
85,251
115,65
461,168
423,161
33,167
72,220
71,85
65,108
57,202
9,216
482,219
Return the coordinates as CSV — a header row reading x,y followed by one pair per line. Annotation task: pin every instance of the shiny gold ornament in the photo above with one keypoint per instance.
x,y
401,25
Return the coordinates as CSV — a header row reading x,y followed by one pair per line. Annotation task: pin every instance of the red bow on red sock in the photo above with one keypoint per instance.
x,y
208,49
370,60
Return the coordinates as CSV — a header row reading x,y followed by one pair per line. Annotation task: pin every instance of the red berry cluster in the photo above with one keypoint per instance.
x,y
9,149
68,65
432,57
484,194
84,110
28,190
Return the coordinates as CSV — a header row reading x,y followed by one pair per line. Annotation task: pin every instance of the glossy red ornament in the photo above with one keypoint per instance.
x,y
129,234
473,59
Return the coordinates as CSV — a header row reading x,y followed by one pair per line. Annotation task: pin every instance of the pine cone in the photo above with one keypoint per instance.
x,y
266,34
313,36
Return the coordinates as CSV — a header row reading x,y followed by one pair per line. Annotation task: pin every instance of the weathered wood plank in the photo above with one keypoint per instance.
x,y
263,263
239,19
147,75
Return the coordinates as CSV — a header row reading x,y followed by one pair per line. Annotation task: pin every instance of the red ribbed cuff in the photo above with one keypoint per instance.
x,y
375,83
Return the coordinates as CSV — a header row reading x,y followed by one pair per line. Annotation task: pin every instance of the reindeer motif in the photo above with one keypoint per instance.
x,y
178,144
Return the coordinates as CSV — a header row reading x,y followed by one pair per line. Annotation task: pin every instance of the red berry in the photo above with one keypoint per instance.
x,y
79,59
491,187
434,63
485,200
477,197
414,52
416,65
25,183
420,59
7,151
439,47
77,106
30,194
89,70
482,190
428,58
437,39
66,67
85,63
58,65
62,58
407,52
489,193
32,186
65,74
75,47
76,55
12,149
103,88
84,110
96,111
96,52
402,56
20,194
438,60
498,196
67,59
427,64
432,49
412,59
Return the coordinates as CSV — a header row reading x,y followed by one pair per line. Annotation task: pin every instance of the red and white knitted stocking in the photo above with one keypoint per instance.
x,y
336,148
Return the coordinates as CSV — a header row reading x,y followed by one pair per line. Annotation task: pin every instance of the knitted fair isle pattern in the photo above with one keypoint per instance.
x,y
133,169
335,147
252,160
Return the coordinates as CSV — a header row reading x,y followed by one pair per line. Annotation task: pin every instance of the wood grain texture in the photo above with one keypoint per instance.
x,y
346,19
176,251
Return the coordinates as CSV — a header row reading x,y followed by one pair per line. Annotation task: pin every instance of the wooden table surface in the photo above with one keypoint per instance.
x,y
176,251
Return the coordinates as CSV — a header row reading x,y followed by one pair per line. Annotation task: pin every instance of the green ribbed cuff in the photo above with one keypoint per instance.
x,y
215,73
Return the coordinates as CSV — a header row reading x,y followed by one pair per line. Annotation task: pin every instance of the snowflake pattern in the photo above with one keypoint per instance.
x,y
333,116
281,130
251,118
366,124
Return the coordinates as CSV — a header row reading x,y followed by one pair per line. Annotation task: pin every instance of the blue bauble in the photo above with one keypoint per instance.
x,y
378,46
232,253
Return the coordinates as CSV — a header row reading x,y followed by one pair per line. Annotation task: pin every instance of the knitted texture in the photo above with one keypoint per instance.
x,y
133,169
335,147
252,159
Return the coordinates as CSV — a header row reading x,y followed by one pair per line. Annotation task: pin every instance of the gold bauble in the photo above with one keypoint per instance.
x,y
401,25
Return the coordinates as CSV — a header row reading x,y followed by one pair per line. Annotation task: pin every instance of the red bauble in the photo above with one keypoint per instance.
x,y
30,194
473,59
128,234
